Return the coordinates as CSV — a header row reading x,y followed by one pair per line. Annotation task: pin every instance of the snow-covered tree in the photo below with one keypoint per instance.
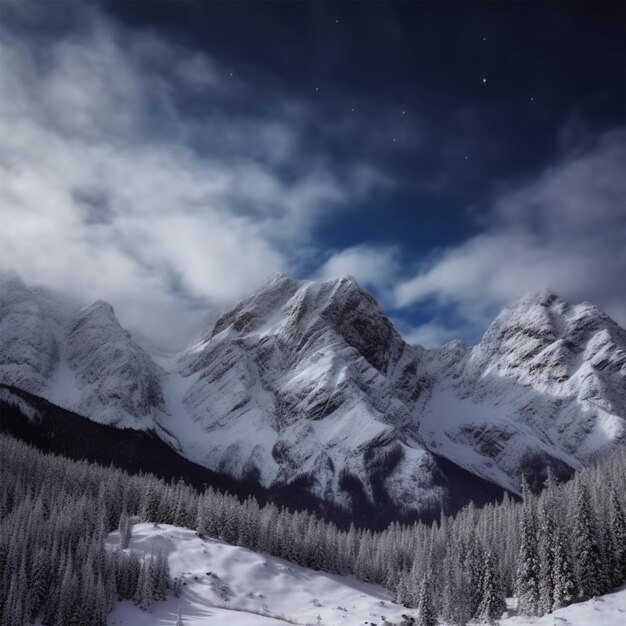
x,y
564,584
492,604
125,530
547,539
425,612
586,546
527,582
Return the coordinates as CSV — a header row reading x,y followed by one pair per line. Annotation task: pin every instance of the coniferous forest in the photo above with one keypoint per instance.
x,y
566,544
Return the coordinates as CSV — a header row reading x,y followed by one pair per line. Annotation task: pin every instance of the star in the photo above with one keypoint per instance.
x,y
317,89
532,99
484,80
353,109
394,139
337,21
403,112
466,157
484,38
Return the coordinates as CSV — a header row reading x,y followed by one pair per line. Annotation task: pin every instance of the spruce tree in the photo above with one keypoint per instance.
x,y
564,585
492,604
586,546
125,530
144,594
474,567
425,613
527,581
617,522
547,539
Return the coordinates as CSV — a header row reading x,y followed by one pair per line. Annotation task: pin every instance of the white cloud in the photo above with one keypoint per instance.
x,y
107,190
430,335
565,231
372,266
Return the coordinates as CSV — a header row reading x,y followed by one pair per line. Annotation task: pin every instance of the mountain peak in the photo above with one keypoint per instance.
x,y
99,307
543,297
309,379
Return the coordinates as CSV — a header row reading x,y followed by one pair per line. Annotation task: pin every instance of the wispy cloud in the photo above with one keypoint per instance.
x,y
373,266
141,172
565,231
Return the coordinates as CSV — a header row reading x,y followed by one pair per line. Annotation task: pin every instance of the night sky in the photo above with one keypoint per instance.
x,y
170,156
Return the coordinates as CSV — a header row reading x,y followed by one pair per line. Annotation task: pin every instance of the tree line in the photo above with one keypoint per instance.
x,y
565,544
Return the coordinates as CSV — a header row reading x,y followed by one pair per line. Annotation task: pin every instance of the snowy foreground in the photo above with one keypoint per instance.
x,y
607,610
232,586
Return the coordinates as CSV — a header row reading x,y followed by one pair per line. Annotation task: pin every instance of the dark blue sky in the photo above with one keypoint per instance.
x,y
428,171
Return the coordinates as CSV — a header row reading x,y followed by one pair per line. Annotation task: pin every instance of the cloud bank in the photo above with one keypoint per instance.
x,y
147,174
564,231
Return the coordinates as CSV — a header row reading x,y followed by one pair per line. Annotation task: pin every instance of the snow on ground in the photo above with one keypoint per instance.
x,y
607,610
231,586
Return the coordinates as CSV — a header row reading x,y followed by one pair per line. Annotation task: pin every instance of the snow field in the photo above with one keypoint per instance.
x,y
228,585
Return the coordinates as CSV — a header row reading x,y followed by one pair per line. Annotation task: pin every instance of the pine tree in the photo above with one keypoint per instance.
x,y
562,575
618,529
39,584
125,530
144,594
160,576
474,568
527,582
586,547
492,604
425,612
455,604
151,504
547,538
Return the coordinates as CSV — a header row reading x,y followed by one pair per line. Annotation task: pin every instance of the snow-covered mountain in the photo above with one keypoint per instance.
x,y
77,357
547,382
309,381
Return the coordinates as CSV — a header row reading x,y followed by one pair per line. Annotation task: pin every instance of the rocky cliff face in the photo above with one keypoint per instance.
x,y
117,380
309,381
79,358
31,324
546,384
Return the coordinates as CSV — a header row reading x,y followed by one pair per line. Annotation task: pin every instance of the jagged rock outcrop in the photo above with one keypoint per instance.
x,y
311,379
546,385
309,382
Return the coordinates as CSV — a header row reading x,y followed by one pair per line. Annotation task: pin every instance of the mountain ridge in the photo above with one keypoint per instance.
x,y
310,381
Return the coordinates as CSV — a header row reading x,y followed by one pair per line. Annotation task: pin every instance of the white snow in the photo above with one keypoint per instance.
x,y
307,378
607,610
63,388
231,586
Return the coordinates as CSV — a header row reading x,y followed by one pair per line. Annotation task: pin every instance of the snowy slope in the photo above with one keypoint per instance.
x,y
607,610
77,357
31,334
229,585
546,384
310,381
